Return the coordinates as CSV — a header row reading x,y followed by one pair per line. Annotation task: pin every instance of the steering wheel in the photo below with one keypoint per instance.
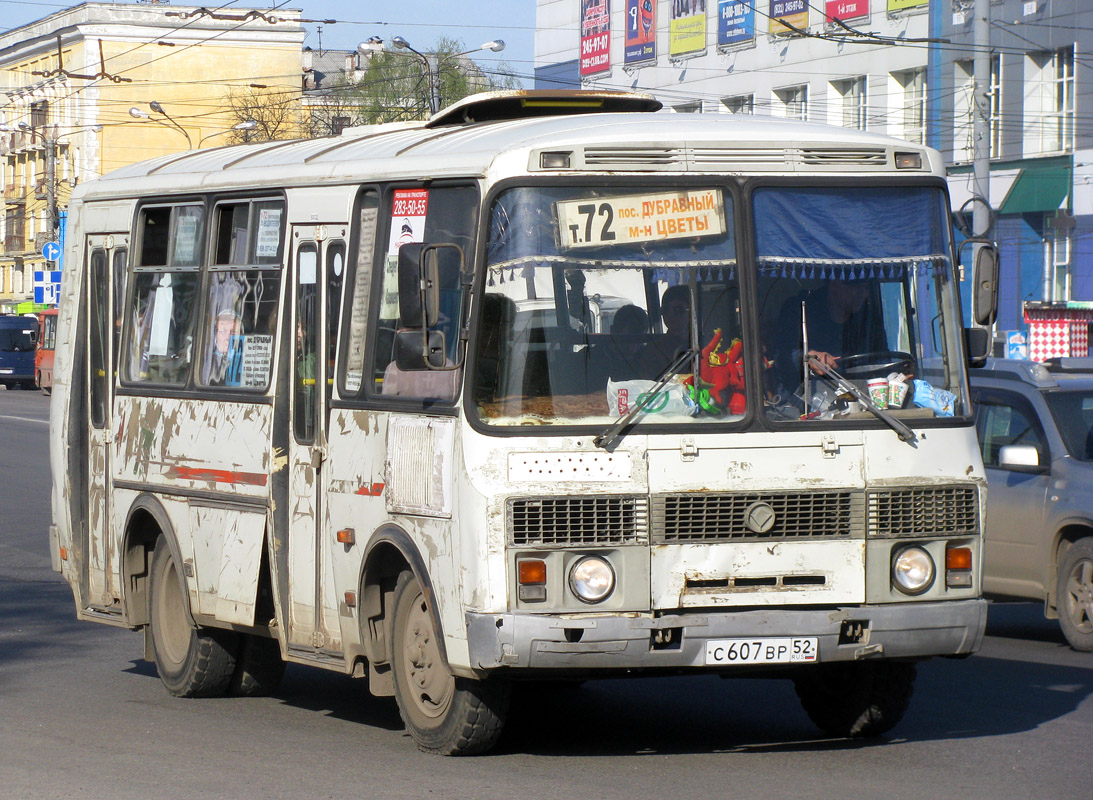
x,y
878,364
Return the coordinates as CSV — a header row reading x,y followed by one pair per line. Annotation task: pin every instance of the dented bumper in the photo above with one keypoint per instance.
x,y
674,641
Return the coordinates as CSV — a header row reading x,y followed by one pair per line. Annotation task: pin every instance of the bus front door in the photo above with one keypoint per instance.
x,y
312,602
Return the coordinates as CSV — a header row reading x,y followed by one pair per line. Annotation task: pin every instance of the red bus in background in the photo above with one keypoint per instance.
x,y
43,355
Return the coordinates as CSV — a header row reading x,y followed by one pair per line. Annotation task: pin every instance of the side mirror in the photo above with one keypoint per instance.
x,y
977,344
985,293
1020,458
419,350
412,296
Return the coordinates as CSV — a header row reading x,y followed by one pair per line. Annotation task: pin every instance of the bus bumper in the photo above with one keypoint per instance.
x,y
676,641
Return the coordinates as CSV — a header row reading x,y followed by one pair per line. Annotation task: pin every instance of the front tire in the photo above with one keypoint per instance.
x,y
192,662
856,699
444,714
1074,595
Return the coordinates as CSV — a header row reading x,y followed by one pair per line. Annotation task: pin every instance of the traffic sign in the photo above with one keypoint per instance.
x,y
51,251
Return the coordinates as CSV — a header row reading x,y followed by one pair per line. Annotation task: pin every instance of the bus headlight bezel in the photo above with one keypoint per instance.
x,y
913,570
592,579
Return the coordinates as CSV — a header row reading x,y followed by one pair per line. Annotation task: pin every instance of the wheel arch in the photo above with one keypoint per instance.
x,y
390,551
146,522
1069,532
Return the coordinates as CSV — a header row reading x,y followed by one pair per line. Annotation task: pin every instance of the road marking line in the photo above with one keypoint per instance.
x,y
25,419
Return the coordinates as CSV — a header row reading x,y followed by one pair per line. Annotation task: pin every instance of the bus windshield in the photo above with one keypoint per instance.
x,y
589,294
588,301
17,337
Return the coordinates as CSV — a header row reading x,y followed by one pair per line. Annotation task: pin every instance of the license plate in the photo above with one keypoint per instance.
x,y
786,650
6,371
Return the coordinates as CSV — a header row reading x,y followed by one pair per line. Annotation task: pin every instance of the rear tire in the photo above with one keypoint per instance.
x,y
1074,595
444,714
258,667
192,662
856,699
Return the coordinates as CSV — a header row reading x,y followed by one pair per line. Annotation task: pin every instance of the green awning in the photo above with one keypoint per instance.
x,y
1038,189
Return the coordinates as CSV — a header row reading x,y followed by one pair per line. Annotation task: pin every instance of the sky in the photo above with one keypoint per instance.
x,y
420,22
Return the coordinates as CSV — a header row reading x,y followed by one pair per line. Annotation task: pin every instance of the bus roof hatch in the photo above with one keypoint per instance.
x,y
523,103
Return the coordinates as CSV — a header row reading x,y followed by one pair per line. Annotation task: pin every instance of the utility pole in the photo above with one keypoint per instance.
x,y
981,125
51,185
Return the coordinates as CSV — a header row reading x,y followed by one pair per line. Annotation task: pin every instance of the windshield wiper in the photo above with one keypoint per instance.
x,y
904,433
608,437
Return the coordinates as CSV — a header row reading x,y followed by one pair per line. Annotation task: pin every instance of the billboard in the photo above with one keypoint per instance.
x,y
846,10
900,5
735,24
794,12
687,28
595,57
641,32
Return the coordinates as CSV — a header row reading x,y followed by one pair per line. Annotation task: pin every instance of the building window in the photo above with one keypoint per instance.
x,y
995,96
339,124
1049,101
792,102
963,105
910,120
1060,264
39,114
741,104
852,103
17,282
694,107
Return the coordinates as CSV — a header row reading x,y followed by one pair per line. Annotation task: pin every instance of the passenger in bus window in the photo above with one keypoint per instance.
x,y
675,311
620,358
223,362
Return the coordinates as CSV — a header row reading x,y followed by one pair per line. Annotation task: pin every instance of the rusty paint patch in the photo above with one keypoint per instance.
x,y
217,475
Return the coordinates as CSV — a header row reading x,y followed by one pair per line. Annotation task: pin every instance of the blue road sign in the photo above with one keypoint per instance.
x,y
51,251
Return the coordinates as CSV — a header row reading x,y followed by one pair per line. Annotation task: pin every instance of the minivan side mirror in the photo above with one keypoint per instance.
x,y
1020,458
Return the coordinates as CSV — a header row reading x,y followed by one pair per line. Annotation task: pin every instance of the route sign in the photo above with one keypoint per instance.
x,y
51,251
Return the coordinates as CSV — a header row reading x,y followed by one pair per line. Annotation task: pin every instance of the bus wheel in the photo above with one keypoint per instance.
x,y
856,699
258,668
192,662
1074,595
444,714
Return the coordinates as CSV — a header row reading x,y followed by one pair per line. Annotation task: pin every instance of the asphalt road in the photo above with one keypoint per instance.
x,y
82,715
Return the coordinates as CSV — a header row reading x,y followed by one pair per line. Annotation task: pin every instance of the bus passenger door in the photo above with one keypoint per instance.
x,y
106,279
317,273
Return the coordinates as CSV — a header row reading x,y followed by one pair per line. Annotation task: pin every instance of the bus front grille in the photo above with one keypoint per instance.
x,y
924,511
755,516
566,521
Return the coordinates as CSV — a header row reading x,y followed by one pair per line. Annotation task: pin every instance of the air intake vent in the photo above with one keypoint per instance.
x,y
635,157
928,511
871,157
739,157
566,521
725,517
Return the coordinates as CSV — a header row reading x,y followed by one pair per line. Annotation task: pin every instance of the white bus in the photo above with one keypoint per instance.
x,y
550,387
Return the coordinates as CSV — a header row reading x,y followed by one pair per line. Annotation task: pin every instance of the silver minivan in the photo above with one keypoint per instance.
x,y
1035,427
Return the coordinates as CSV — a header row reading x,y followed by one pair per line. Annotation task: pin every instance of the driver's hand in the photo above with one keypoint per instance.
x,y
819,361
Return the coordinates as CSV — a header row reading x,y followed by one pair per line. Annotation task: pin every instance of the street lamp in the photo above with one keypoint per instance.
x,y
432,63
245,125
158,108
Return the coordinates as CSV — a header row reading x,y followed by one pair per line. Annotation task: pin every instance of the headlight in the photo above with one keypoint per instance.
x,y
592,579
913,570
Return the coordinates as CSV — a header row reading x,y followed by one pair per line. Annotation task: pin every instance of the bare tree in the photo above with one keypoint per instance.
x,y
277,112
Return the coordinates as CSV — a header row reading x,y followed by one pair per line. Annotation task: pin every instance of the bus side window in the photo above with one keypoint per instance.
x,y
358,293
241,312
165,291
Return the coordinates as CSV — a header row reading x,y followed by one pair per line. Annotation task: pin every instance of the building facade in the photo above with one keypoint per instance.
x,y
69,82
899,67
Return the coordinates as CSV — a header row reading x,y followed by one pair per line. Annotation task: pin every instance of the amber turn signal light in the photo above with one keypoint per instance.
x,y
347,536
958,558
531,572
